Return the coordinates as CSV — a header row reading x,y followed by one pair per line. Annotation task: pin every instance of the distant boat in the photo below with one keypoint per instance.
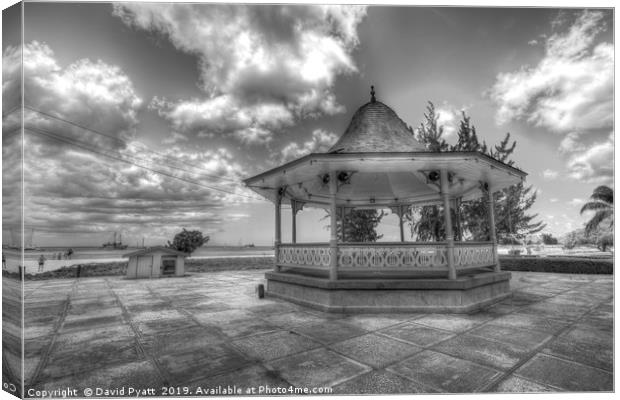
x,y
114,244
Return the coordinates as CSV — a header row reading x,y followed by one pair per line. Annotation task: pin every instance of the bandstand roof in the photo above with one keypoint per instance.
x,y
380,163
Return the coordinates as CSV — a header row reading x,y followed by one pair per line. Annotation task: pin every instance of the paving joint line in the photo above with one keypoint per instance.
x,y
55,329
138,337
530,355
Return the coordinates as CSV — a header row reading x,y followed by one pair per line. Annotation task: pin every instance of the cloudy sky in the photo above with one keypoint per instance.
x,y
143,118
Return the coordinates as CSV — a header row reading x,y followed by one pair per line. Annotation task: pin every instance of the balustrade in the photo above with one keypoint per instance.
x,y
410,256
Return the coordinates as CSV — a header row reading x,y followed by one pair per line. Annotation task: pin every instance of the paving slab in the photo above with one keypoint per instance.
x,y
241,327
375,350
208,328
189,365
330,332
315,368
69,360
566,375
523,338
495,354
532,322
555,310
295,319
270,346
253,376
373,322
101,334
272,307
181,340
92,323
417,334
584,345
380,383
139,375
453,322
445,373
514,384
157,326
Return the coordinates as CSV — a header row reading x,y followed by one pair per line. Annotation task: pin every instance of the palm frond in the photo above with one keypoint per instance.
x,y
603,193
595,206
599,217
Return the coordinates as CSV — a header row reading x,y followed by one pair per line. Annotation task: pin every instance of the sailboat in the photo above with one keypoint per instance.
x,y
114,244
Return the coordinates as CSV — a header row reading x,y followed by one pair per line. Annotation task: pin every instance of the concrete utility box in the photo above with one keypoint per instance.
x,y
155,262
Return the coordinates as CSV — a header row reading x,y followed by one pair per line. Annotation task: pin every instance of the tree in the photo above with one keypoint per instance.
x,y
548,238
188,241
602,202
430,133
359,225
429,225
512,203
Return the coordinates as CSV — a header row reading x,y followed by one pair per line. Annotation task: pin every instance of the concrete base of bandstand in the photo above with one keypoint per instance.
x,y
466,294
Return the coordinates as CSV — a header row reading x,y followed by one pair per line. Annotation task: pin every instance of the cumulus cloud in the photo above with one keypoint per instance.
x,y
595,165
190,189
78,181
91,93
571,143
550,174
570,89
576,202
321,141
260,66
569,92
449,117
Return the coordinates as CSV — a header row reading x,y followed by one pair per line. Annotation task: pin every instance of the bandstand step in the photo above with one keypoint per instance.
x,y
462,295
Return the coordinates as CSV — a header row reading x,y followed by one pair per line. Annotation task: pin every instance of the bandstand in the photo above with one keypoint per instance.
x,y
377,163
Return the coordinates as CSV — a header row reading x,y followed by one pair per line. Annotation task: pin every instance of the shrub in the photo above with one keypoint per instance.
x,y
548,238
566,265
605,241
188,241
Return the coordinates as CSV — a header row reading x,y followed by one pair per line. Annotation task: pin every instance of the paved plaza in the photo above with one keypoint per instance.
x,y
210,329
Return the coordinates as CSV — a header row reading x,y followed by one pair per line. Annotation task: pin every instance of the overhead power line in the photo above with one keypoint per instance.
x,y
128,143
125,160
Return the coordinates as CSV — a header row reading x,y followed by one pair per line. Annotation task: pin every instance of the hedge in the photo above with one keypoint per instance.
x,y
565,265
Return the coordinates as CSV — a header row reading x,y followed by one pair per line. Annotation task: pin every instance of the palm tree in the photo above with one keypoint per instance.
x,y
603,203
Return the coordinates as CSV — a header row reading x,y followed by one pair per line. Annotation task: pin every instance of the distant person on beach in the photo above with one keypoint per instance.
x,y
69,253
3,261
41,262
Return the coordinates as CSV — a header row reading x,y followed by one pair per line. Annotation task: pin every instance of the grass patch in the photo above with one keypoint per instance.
x,y
565,265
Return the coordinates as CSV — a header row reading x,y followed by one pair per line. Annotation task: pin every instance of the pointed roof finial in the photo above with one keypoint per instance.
x,y
372,94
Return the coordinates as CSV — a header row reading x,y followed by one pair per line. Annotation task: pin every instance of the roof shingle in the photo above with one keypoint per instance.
x,y
375,127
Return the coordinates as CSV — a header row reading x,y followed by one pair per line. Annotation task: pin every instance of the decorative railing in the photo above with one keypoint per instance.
x,y
304,255
409,256
401,255
473,255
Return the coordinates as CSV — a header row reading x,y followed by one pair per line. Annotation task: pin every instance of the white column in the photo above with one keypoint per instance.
x,y
400,223
491,203
448,224
294,221
278,230
333,238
